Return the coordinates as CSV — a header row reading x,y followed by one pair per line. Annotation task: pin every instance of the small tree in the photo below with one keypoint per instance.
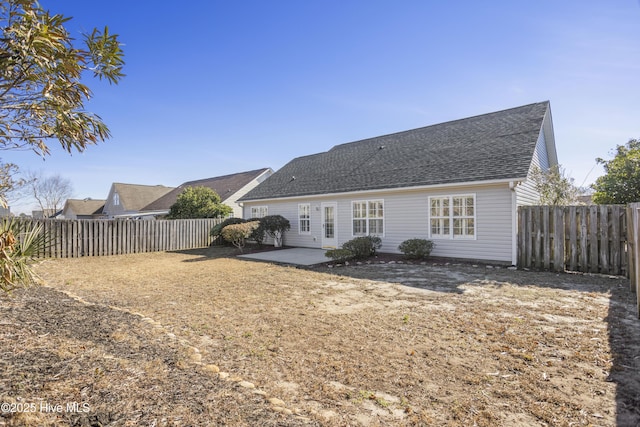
x,y
238,234
49,191
554,187
42,70
198,202
621,182
274,226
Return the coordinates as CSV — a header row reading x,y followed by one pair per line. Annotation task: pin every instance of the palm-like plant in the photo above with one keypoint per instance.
x,y
20,243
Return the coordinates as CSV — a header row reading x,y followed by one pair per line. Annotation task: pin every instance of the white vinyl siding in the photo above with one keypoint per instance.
x,y
526,192
406,216
368,218
304,218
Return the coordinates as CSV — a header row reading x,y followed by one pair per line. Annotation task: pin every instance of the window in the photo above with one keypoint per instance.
x,y
259,211
304,218
368,217
116,199
452,217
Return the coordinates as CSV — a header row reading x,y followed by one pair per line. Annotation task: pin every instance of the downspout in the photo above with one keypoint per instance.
x,y
514,222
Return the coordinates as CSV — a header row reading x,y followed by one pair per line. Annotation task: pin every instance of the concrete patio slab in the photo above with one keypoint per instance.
x,y
295,256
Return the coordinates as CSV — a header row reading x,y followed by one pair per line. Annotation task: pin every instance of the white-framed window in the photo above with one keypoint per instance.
x,y
368,217
304,218
259,211
452,217
116,199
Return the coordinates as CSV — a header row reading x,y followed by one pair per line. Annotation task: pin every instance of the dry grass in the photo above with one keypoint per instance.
x,y
391,344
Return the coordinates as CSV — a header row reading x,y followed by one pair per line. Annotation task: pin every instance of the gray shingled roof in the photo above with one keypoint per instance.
x,y
85,206
225,186
135,196
492,146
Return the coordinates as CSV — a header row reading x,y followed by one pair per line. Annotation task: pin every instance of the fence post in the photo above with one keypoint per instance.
x,y
631,247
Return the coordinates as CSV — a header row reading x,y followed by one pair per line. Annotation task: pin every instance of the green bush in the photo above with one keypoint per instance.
x,y
258,233
239,233
216,230
339,255
275,226
363,247
416,248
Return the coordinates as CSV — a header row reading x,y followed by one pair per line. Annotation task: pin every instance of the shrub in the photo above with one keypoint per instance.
x,y
416,248
275,226
216,230
339,255
258,233
239,233
363,247
20,244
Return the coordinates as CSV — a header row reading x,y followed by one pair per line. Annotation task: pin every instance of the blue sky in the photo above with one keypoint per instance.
x,y
219,87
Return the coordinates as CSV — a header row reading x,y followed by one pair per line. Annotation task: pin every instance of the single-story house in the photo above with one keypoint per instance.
x,y
229,187
457,183
83,209
127,200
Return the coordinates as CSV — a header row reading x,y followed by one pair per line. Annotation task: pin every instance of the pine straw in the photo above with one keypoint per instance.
x,y
379,344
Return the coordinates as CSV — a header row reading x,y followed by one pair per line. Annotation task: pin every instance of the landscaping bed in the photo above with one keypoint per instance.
x,y
202,338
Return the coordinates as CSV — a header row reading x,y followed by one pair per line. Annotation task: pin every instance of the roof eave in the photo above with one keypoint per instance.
x,y
387,189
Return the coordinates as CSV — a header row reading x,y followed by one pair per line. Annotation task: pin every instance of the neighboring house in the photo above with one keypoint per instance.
x,y
127,200
457,183
46,214
585,200
229,187
83,209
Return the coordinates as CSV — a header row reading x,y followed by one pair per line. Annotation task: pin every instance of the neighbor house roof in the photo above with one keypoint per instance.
x,y
134,196
492,146
84,206
225,186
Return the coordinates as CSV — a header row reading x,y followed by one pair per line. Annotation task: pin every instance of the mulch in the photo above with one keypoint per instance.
x,y
97,363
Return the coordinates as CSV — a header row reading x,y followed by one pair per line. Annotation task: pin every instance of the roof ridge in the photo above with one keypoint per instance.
x,y
443,124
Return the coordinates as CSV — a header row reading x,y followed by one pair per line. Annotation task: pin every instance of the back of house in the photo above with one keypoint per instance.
x,y
457,183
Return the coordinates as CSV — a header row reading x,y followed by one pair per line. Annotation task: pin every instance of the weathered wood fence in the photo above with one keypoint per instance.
x,y
633,223
84,237
590,239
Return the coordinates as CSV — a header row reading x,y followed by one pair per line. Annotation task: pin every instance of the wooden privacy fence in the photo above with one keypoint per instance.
x,y
88,237
590,239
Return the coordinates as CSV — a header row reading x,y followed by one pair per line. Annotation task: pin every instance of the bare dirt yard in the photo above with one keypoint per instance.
x,y
201,338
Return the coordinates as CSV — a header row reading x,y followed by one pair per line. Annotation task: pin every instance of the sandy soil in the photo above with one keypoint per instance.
x,y
202,338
